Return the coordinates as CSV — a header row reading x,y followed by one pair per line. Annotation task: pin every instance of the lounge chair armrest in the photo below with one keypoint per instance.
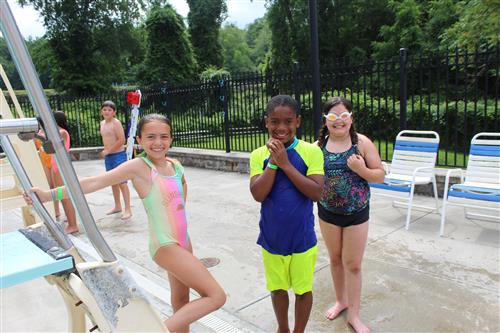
x,y
419,169
460,171
386,167
447,180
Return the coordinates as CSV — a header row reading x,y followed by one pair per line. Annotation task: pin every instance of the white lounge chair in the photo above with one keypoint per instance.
x,y
413,162
480,188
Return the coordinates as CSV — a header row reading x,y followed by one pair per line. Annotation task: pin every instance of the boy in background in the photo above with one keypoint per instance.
x,y
113,139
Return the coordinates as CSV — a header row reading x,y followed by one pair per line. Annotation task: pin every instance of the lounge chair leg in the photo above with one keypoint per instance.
x,y
443,216
434,187
410,202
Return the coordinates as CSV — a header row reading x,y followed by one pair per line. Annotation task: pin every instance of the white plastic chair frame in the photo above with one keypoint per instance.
x,y
413,161
480,188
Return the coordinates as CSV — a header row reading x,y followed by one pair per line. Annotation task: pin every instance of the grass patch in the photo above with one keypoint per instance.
x,y
249,142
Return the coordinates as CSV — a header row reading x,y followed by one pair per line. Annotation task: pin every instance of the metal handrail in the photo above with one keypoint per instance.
x,y
61,238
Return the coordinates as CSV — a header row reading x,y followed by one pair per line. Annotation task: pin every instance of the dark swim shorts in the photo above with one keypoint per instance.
x,y
115,159
343,221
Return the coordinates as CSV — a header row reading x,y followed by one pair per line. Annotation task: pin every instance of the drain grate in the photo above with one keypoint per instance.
x,y
210,262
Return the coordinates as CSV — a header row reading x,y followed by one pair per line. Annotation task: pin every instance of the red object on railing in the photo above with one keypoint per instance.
x,y
133,98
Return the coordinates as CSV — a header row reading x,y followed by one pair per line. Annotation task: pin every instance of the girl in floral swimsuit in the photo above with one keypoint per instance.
x,y
351,162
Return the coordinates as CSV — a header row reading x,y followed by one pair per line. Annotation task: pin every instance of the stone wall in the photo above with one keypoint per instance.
x,y
236,162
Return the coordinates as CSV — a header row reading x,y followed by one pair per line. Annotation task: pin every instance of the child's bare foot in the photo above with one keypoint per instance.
x,y
335,310
71,230
358,325
126,215
114,211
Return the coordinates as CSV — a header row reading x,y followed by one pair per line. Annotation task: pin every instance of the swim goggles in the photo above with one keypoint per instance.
x,y
343,116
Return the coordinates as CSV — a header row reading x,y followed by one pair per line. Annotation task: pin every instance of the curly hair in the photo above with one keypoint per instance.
x,y
332,102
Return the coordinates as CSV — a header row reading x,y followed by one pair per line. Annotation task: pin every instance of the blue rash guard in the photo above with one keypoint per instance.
x,y
286,215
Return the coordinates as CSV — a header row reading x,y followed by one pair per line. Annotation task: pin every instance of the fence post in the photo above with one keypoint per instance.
x,y
316,84
223,98
296,92
402,89
269,83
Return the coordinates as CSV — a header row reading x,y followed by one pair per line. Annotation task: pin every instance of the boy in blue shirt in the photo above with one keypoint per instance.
x,y
286,176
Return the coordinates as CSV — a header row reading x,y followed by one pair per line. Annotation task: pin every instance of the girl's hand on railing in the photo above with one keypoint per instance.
x,y
44,196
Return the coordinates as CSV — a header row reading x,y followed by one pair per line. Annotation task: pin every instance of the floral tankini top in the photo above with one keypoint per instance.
x,y
344,192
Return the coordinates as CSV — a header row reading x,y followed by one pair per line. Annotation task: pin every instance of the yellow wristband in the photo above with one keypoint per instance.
x,y
59,193
272,166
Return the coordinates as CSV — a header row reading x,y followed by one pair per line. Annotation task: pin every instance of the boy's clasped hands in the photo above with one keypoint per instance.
x,y
278,152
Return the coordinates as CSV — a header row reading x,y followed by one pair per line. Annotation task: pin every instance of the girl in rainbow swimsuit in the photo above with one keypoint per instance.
x,y
161,184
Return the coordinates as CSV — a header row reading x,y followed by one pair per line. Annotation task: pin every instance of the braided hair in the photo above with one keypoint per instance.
x,y
332,102
283,100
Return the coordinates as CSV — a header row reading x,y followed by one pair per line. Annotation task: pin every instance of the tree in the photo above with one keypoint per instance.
x,y
204,19
290,34
405,32
235,49
258,38
346,29
88,39
441,14
169,55
9,67
43,59
478,24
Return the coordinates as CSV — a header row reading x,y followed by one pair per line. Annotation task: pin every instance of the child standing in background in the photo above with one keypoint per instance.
x,y
46,160
286,177
51,170
113,139
351,162
161,184
69,210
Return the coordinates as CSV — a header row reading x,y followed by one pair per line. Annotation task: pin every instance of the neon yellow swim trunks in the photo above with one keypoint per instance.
x,y
294,271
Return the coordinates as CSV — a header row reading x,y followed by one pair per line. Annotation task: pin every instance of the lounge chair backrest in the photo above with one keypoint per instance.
x,y
414,149
483,166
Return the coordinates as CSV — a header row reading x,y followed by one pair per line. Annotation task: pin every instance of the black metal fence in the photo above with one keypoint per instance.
x,y
454,94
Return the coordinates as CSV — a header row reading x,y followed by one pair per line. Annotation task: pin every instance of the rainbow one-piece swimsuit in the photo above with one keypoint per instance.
x,y
165,208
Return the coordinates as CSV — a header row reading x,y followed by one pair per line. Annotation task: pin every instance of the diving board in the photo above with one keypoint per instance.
x,y
21,260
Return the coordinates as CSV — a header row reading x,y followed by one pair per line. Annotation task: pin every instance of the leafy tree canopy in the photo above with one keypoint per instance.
x,y
237,54
258,37
405,32
88,39
169,55
288,22
204,19
42,59
478,24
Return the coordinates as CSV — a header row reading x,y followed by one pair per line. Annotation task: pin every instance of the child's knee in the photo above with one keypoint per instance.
x,y
353,266
180,298
303,296
279,292
218,299
336,260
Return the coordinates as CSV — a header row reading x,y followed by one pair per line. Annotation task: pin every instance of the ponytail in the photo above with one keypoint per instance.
x,y
353,134
323,135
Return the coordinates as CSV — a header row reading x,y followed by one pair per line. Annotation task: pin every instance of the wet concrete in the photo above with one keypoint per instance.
x,y
412,280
